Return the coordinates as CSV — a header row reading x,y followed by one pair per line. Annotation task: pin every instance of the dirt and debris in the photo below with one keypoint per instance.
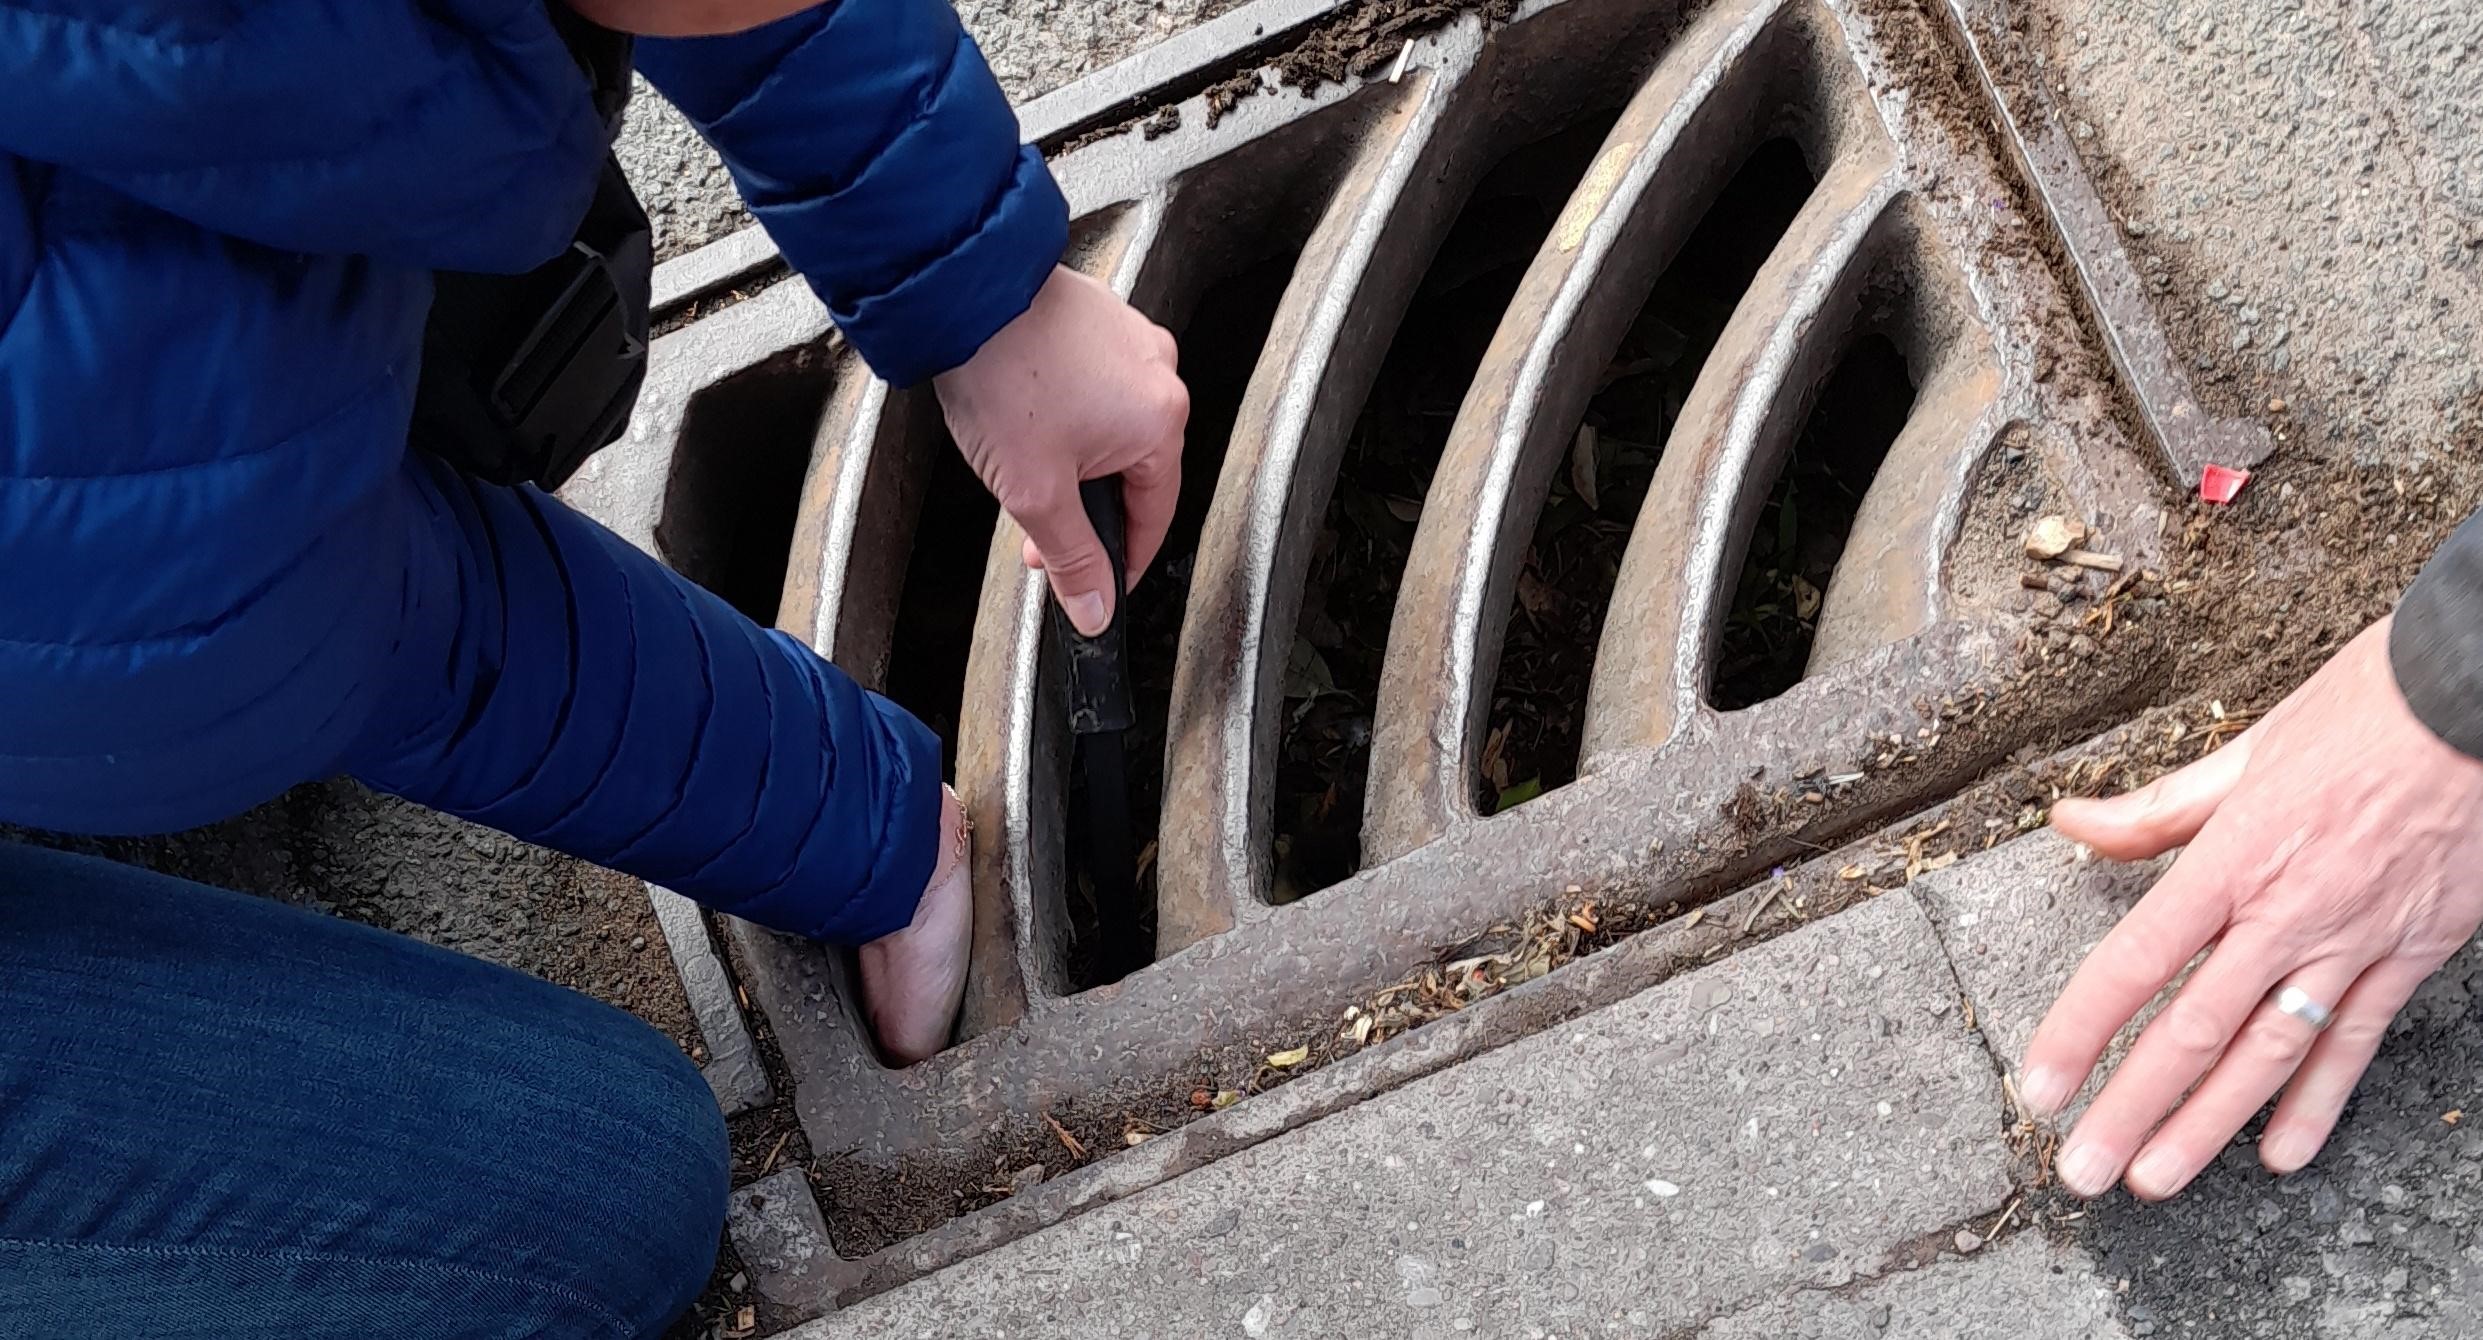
x,y
1364,40
708,304
1508,955
1367,37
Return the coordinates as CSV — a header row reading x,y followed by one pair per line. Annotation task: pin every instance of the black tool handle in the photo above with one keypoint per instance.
x,y
1099,698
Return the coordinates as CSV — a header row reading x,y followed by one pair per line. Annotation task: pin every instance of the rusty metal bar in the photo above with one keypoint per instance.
x,y
2190,437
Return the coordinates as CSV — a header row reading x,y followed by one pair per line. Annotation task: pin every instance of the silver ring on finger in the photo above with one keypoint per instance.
x,y
2297,1002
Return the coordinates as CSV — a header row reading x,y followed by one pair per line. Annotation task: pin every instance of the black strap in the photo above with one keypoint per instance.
x,y
526,376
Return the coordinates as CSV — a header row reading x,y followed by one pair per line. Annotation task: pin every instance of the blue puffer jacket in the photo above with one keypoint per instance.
x,y
222,572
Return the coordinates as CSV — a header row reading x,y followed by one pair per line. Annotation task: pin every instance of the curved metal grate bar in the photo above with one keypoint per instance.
x,y
1348,290
1704,109
1735,434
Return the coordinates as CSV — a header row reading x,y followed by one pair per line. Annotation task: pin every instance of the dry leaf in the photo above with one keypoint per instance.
x,y
1537,595
2454,1115
1495,760
1806,599
1289,1058
1362,1030
1226,1098
1583,467
1135,1138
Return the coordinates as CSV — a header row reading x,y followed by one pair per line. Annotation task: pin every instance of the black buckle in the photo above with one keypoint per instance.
x,y
569,385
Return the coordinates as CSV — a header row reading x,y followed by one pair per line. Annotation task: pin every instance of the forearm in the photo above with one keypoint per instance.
x,y
873,143
2436,646
566,688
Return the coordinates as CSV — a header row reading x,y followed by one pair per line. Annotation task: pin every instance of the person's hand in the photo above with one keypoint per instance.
x,y
1080,387
2335,848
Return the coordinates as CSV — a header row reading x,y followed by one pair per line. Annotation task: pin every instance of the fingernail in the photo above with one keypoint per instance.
x,y
2044,1091
1087,613
2085,1170
2158,1172
2286,1151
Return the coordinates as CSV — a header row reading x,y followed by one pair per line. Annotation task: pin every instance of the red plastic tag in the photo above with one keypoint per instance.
x,y
2221,485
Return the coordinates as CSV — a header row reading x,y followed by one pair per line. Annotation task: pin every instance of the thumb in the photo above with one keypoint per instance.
x,y
1073,559
2159,816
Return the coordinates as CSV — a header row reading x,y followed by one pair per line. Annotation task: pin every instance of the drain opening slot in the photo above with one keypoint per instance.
x,y
1358,564
1220,344
1565,587
936,607
1803,528
1232,234
735,492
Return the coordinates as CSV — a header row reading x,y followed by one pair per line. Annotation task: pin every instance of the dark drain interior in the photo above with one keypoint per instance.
x,y
1333,672
1565,588
736,486
943,589
1220,346
1807,519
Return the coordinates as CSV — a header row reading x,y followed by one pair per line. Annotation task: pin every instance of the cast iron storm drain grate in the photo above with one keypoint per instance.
x,y
1613,429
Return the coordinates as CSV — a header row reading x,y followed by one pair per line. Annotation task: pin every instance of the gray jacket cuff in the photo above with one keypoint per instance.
x,y
2436,645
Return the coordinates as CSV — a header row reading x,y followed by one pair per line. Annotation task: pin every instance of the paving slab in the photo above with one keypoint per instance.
x,y
1792,1116
2018,920
2027,1288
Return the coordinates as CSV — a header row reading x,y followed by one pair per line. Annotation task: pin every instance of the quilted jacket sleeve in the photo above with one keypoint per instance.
x,y
875,146
2436,645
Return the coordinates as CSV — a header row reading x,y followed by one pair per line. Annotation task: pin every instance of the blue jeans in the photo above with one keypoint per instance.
x,y
223,1117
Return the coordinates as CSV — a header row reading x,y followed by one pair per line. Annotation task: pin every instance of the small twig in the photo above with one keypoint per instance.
x,y
1068,1141
2087,558
770,1165
1397,71
2003,1221
1760,908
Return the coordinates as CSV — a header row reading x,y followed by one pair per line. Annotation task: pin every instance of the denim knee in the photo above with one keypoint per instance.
x,y
650,1208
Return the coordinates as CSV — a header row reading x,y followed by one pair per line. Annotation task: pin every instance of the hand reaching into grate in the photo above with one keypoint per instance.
x,y
1080,387
2332,865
